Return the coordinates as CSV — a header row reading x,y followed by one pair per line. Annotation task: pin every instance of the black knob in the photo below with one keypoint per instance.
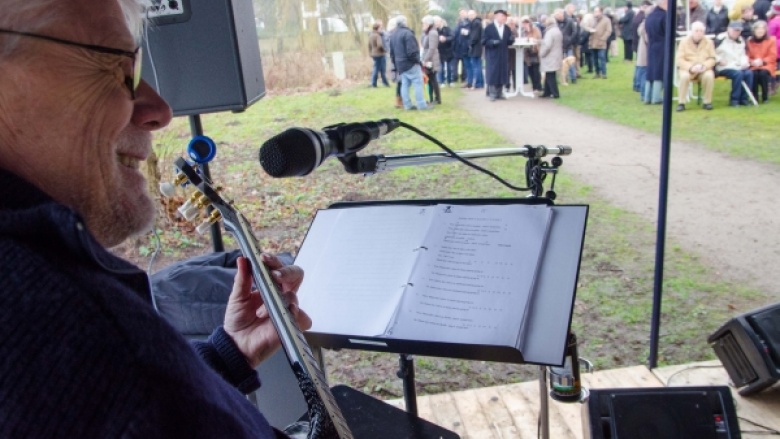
x,y
557,161
173,4
551,195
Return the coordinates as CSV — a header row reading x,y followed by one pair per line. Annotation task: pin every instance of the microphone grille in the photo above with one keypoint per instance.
x,y
290,153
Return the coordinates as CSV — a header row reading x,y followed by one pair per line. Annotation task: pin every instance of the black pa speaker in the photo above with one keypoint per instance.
x,y
203,56
663,412
749,348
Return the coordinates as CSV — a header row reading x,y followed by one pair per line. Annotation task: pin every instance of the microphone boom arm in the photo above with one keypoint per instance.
x,y
536,170
384,163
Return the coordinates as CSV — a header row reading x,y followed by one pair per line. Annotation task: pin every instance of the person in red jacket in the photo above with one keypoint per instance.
x,y
762,56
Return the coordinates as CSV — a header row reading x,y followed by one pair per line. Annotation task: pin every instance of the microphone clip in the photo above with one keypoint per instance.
x,y
351,138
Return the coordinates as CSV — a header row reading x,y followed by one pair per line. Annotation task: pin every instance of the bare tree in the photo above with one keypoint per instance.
x,y
350,12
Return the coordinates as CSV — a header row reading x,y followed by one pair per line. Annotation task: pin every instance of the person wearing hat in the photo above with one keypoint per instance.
x,y
497,37
733,63
695,59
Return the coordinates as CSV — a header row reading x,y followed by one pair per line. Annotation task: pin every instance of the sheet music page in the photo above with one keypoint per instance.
x,y
357,262
473,283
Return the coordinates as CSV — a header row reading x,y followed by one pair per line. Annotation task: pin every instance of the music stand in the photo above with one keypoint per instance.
x,y
550,311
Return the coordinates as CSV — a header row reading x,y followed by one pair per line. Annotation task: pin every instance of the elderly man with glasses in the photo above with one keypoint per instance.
x,y
83,352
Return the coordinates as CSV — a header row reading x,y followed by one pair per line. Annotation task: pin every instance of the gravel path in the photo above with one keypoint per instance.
x,y
721,208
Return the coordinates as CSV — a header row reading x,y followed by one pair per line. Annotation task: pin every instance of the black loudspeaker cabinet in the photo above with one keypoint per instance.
x,y
749,348
660,413
206,57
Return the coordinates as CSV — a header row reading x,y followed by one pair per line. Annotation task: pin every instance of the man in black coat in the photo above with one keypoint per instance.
x,y
497,38
627,32
476,79
655,26
460,46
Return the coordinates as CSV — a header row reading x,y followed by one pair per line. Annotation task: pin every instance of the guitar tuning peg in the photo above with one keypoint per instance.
x,y
190,209
206,225
168,190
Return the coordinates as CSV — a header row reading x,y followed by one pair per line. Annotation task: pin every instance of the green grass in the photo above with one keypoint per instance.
x,y
749,132
614,297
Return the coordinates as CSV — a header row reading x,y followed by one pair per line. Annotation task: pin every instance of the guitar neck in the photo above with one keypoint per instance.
x,y
293,341
325,416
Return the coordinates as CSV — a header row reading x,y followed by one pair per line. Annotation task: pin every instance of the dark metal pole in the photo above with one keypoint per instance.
x,y
196,128
663,190
406,373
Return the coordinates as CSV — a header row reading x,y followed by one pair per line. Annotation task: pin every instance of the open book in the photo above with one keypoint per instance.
x,y
426,279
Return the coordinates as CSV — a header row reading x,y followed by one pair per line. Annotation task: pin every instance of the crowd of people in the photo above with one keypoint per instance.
x,y
478,53
741,45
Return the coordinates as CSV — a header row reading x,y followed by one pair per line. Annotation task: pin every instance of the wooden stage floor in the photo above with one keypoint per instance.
x,y
511,411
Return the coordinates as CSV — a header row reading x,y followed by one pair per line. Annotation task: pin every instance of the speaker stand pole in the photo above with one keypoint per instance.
x,y
196,128
544,414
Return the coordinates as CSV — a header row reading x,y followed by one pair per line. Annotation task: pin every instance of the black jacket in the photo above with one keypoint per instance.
x,y
717,22
760,8
475,38
461,43
446,47
404,49
569,30
626,22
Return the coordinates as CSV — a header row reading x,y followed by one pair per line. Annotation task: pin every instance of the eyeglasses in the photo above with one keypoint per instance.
x,y
131,82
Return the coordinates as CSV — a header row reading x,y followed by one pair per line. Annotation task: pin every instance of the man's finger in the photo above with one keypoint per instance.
x,y
271,261
242,283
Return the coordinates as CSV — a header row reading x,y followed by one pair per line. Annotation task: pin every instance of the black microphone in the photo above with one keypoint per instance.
x,y
297,152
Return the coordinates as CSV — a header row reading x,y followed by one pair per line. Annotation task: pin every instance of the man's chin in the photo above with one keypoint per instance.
x,y
126,222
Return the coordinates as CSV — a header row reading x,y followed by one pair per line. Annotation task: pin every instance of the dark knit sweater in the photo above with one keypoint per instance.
x,y
84,355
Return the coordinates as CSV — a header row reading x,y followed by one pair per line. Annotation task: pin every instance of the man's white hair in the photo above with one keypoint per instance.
x,y
400,20
427,20
698,25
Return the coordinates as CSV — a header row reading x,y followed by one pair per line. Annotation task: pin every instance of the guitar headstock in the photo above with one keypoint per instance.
x,y
205,195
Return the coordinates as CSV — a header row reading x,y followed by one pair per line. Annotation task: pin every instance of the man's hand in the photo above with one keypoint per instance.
x,y
246,318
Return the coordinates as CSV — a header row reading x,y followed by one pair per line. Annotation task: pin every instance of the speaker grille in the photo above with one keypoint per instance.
x,y
734,360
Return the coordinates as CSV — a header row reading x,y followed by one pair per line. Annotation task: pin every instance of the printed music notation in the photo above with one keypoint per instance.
x,y
450,273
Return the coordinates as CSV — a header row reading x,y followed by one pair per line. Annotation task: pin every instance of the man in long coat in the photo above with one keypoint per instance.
x,y
497,38
655,26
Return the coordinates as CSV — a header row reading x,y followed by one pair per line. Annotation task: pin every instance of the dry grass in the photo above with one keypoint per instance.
x,y
307,71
